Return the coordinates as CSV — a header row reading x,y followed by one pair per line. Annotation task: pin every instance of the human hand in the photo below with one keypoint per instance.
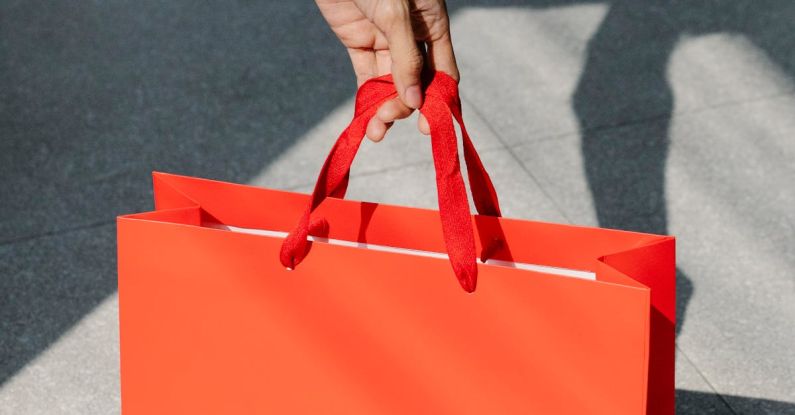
x,y
384,36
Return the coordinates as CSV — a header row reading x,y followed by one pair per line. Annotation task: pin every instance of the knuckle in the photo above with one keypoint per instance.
x,y
391,12
413,61
393,110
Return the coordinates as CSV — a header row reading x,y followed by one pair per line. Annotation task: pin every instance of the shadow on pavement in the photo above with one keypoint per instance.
x,y
96,95
698,403
624,103
692,402
623,83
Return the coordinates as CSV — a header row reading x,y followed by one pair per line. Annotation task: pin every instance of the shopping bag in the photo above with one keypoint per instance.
x,y
236,299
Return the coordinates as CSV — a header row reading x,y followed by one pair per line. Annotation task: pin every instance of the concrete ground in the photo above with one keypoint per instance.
x,y
665,117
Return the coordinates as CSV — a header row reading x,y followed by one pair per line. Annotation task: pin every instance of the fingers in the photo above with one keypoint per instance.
x,y
403,57
394,20
423,126
441,56
387,114
364,65
376,130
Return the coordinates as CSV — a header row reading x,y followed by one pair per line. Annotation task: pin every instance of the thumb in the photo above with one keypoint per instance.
x,y
395,23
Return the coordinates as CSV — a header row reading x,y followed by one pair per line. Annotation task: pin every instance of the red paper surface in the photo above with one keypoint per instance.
x,y
211,322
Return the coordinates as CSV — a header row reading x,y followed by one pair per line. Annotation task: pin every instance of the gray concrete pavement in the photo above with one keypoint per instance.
x,y
670,118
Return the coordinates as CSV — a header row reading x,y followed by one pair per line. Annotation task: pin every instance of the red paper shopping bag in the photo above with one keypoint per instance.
x,y
242,300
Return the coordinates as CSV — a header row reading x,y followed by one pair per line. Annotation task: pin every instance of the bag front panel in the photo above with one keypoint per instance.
x,y
212,323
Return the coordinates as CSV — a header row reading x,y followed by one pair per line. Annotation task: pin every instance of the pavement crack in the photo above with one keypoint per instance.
x,y
645,120
374,172
524,168
704,378
57,232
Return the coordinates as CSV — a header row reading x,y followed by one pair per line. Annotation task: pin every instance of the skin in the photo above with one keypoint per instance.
x,y
394,36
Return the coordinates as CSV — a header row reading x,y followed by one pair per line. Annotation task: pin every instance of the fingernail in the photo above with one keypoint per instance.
x,y
413,96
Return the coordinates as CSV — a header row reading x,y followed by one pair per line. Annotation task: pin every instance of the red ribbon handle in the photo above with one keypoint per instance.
x,y
441,105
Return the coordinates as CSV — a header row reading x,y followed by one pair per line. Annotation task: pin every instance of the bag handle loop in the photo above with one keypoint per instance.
x,y
441,105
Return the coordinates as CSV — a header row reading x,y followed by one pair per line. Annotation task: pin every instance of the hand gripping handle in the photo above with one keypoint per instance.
x,y
441,105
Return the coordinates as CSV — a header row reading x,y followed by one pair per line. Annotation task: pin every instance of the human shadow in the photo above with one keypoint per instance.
x,y
94,96
624,101
624,104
